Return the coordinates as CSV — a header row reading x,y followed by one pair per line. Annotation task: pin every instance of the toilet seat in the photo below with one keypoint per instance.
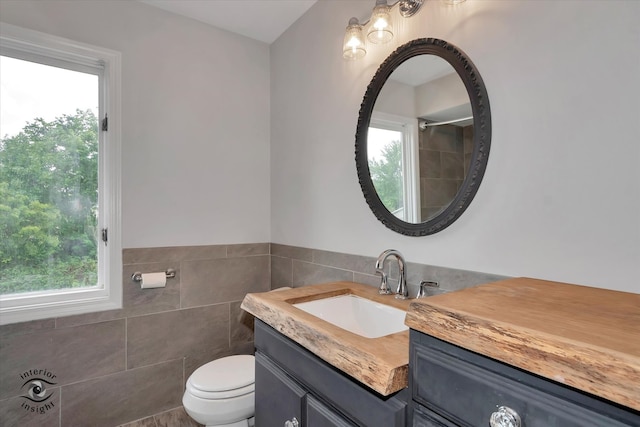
x,y
224,378
218,395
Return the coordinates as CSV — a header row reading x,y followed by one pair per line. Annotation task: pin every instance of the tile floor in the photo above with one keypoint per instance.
x,y
174,418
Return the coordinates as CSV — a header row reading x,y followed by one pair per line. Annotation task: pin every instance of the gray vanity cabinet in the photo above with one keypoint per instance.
x,y
295,388
278,397
281,401
451,386
319,415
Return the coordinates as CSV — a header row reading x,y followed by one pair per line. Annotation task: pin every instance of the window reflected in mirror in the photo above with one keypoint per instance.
x,y
416,140
386,167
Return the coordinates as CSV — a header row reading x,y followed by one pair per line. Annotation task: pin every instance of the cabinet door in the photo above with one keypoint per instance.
x,y
468,389
319,415
278,397
319,378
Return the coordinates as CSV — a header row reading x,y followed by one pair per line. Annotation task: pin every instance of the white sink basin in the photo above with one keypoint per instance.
x,y
358,315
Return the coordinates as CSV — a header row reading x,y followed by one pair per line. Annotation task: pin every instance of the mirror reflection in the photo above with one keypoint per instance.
x,y
420,138
423,135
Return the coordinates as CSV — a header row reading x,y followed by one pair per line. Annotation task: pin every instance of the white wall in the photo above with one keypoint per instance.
x,y
561,196
443,95
195,119
398,99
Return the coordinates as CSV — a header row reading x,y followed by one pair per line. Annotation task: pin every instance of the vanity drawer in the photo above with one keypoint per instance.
x,y
467,388
422,417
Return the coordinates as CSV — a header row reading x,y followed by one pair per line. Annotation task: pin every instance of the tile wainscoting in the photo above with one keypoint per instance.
x,y
113,367
296,266
119,366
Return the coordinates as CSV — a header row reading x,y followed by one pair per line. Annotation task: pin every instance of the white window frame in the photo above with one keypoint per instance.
x,y
408,126
27,44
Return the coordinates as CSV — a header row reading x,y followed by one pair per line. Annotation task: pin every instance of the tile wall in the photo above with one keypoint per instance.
x,y
130,365
445,155
296,266
116,366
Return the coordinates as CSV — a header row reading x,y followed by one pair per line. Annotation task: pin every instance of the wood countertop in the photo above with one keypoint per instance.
x,y
379,363
587,338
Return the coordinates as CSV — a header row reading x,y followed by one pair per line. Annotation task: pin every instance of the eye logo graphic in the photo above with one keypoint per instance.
x,y
35,390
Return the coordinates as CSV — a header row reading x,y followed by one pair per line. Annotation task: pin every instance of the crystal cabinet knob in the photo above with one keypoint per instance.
x,y
293,422
505,417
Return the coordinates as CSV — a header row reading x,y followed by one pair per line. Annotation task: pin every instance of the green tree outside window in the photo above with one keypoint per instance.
x,y
48,205
386,175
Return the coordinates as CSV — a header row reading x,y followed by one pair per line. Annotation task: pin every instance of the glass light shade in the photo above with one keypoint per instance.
x,y
353,47
380,30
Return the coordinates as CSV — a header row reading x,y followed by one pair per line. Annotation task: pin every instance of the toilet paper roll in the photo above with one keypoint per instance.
x,y
153,280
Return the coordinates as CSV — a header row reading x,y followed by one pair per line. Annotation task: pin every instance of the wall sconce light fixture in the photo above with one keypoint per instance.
x,y
379,27
353,47
380,30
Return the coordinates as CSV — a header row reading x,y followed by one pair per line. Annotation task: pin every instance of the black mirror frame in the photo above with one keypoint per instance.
x,y
481,135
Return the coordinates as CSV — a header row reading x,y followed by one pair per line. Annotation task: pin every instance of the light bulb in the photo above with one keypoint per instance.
x,y
381,30
353,46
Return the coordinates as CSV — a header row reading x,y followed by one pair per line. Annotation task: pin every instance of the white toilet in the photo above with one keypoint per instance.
x,y
221,393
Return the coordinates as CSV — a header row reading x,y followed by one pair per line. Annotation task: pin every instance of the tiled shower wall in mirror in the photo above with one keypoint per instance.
x,y
445,158
119,366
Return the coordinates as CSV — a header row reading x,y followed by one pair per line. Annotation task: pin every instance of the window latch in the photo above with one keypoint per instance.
x,y
105,123
105,236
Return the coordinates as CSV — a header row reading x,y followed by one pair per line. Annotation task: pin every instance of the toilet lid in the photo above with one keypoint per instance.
x,y
227,373
219,395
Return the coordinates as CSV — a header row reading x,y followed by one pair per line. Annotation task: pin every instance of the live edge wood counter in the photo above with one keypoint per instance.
x,y
587,338
379,363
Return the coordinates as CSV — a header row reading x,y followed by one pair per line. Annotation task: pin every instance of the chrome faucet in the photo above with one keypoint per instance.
x,y
401,292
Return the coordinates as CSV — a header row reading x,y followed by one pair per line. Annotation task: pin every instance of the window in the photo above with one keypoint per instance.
x,y
392,153
60,250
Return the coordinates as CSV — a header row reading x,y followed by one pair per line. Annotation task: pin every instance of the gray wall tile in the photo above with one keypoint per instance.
x,y
241,324
448,279
362,264
295,252
223,280
243,348
430,164
88,318
136,301
333,266
17,411
172,254
195,360
186,253
175,334
234,251
452,165
119,398
281,272
72,354
26,327
306,273
367,279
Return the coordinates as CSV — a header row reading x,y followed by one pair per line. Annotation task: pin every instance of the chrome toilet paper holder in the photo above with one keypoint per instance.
x,y
137,276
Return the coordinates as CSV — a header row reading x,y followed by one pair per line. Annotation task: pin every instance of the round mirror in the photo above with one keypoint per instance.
x,y
423,137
